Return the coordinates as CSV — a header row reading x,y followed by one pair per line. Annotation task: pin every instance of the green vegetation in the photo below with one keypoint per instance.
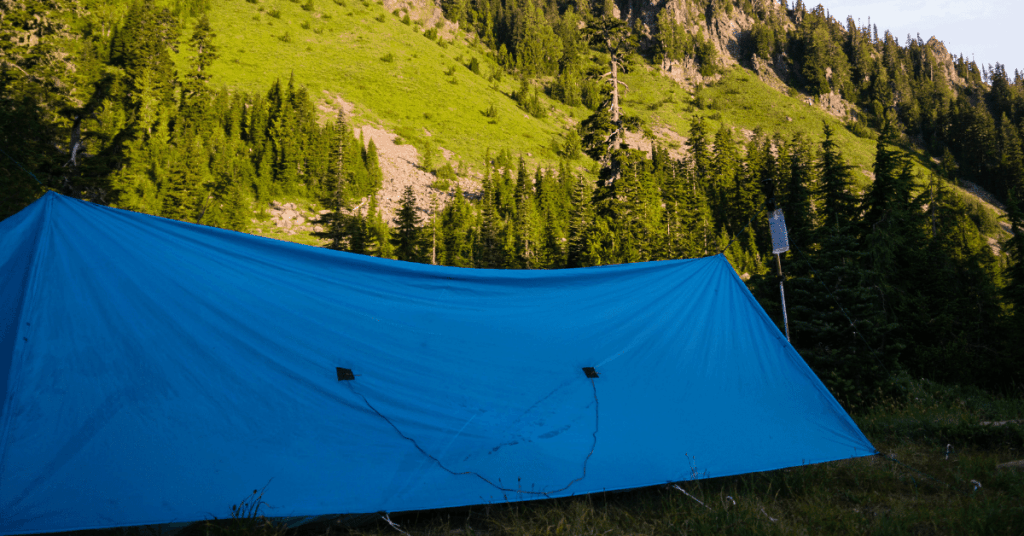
x,y
385,69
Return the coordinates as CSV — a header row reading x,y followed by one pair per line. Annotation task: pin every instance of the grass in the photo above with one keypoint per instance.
x,y
346,58
742,101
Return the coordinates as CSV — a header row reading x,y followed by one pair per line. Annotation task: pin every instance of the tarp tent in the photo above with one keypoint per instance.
x,y
153,371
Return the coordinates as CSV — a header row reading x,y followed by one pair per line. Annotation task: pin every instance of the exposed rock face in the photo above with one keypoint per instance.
x,y
725,28
945,62
426,12
769,74
398,163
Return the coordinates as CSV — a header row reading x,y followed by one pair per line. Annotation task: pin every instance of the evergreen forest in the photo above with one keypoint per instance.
x,y
894,277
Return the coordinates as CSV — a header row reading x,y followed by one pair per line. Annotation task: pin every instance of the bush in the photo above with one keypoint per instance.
x,y
308,6
286,37
859,129
431,33
306,25
274,13
474,65
406,20
529,99
447,173
983,218
388,58
380,18
572,149
491,112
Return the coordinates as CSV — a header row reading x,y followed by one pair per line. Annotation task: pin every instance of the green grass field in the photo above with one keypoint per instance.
x,y
392,74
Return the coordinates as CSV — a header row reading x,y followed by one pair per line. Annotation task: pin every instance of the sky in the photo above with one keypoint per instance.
x,y
984,29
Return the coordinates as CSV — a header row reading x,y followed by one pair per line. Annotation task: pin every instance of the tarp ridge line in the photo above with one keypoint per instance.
x,y
586,460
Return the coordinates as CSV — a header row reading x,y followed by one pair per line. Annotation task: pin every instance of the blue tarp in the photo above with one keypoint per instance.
x,y
153,371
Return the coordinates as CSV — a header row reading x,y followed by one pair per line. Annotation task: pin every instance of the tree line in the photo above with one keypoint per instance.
x,y
892,281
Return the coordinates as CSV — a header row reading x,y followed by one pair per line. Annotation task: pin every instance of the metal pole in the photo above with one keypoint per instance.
x,y
782,292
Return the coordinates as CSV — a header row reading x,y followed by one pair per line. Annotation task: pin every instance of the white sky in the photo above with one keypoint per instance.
x,y
986,29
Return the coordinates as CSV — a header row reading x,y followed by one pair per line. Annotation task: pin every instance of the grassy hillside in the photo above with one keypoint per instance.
x,y
416,87
390,72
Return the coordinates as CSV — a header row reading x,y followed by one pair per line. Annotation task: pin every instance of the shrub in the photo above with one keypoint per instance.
x,y
274,13
388,58
406,20
474,65
447,172
306,25
572,149
308,6
859,129
431,33
491,112
450,71
380,18
286,37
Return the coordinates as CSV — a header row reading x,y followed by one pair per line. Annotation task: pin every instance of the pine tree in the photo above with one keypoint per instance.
x,y
373,170
458,230
580,219
700,152
797,199
837,203
891,187
435,231
1014,248
376,240
723,172
406,239
195,97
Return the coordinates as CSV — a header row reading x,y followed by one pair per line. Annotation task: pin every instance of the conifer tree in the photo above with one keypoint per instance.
x,y
700,151
459,233
142,45
580,219
618,39
373,170
406,239
837,203
194,91
724,169
488,247
376,240
338,183
799,209
891,187
1014,247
